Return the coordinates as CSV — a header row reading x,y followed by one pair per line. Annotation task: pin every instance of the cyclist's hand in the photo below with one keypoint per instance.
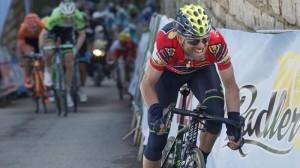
x,y
234,133
232,144
156,119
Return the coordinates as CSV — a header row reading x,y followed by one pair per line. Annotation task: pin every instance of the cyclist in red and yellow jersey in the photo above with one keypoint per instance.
x,y
27,41
186,51
124,47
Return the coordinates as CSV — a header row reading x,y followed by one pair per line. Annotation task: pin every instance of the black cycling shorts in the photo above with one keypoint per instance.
x,y
33,42
199,82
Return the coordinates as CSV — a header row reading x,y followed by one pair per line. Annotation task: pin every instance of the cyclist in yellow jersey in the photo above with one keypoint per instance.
x,y
63,22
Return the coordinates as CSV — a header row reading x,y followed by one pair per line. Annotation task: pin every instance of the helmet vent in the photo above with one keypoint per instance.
x,y
196,14
201,30
199,21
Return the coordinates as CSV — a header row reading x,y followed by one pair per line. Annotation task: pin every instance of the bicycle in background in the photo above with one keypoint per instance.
x,y
39,89
58,77
182,151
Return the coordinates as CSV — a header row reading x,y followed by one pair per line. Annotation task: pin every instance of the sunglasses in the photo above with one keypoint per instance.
x,y
196,41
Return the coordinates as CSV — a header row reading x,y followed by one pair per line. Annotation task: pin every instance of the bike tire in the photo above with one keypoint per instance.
x,y
57,102
194,159
35,92
60,91
168,154
43,91
75,87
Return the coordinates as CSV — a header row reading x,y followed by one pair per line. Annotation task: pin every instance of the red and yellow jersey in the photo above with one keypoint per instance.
x,y
169,55
126,49
32,33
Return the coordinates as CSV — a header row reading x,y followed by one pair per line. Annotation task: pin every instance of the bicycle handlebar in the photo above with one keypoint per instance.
x,y
200,115
33,55
62,46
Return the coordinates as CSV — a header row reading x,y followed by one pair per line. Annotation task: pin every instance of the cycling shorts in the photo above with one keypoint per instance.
x,y
34,43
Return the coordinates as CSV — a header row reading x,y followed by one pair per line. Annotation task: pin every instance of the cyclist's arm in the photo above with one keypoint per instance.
x,y
80,39
20,43
43,35
147,85
231,89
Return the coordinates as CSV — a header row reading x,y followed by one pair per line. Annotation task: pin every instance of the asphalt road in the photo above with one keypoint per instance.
x,y
91,138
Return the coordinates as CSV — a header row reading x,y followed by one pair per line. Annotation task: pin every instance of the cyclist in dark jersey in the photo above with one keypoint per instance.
x,y
189,50
63,23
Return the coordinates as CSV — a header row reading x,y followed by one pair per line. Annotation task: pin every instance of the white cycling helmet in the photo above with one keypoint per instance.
x,y
67,7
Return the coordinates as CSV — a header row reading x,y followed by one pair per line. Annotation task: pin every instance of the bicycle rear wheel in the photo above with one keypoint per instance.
x,y
60,92
194,159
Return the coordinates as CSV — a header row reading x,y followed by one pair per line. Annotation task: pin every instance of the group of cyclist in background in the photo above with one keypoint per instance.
x,y
186,51
88,27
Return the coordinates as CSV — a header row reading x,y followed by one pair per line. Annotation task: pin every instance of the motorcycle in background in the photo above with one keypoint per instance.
x,y
99,61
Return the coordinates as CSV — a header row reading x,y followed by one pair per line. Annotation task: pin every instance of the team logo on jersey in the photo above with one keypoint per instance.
x,y
214,49
170,51
172,35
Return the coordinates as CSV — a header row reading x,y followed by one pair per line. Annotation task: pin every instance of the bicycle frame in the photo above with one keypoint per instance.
x,y
186,138
59,78
39,88
182,143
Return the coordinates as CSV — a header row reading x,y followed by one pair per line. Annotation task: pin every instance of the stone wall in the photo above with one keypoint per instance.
x,y
249,15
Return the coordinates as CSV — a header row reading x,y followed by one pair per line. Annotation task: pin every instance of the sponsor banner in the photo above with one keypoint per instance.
x,y
267,69
141,53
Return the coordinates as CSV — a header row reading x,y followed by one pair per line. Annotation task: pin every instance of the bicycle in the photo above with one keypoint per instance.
x,y
75,83
39,89
120,70
60,91
181,151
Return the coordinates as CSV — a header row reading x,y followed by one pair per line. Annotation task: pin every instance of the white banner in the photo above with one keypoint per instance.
x,y
267,69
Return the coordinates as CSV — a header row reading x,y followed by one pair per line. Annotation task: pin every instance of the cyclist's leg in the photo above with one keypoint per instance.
x,y
28,71
69,58
83,60
27,49
48,59
206,86
167,89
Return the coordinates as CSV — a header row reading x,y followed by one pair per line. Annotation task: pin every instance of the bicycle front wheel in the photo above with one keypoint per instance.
x,y
194,159
168,154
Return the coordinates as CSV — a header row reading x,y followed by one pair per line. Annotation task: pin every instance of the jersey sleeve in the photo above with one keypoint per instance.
x,y
159,57
218,48
79,20
53,20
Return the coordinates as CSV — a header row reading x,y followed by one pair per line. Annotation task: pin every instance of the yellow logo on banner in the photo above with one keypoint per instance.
x,y
288,78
